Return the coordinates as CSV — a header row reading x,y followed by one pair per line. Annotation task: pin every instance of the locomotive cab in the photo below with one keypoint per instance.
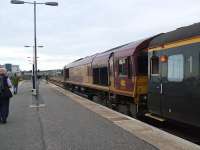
x,y
129,77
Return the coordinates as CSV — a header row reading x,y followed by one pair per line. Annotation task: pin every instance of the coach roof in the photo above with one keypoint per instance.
x,y
176,35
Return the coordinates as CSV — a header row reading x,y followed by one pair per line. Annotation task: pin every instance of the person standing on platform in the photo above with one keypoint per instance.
x,y
15,82
5,95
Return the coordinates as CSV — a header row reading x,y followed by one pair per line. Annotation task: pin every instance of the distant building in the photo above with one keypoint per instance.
x,y
8,67
15,69
11,68
56,72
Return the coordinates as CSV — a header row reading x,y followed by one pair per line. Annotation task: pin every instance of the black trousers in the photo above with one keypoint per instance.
x,y
4,108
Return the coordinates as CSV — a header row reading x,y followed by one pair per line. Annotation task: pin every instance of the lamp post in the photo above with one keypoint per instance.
x,y
34,3
33,68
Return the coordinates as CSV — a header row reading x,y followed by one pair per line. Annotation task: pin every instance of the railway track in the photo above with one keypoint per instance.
x,y
187,132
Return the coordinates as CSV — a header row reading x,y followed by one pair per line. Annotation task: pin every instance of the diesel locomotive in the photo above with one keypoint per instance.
x,y
158,77
118,76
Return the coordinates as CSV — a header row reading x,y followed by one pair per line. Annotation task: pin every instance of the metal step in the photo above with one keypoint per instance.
x,y
150,115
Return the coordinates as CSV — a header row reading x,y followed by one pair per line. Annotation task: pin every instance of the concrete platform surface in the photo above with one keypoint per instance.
x,y
63,124
160,139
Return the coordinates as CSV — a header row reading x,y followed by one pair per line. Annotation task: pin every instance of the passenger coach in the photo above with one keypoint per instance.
x,y
174,75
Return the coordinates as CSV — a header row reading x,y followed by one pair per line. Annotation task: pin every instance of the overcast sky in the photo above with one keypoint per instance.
x,y
77,28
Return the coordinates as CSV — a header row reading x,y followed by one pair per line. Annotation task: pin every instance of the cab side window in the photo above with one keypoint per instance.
x,y
142,62
124,67
154,65
176,68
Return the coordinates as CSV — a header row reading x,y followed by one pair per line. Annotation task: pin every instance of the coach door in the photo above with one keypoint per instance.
x,y
155,86
174,89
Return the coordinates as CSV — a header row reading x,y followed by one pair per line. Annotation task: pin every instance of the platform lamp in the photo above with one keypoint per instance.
x,y
34,3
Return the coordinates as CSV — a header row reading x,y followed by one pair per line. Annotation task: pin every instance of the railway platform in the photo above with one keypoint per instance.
x,y
70,122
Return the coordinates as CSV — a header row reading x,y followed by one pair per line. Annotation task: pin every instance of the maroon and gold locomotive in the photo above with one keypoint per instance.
x,y
118,76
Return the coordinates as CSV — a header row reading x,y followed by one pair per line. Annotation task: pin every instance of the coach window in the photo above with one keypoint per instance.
x,y
123,66
175,68
154,65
